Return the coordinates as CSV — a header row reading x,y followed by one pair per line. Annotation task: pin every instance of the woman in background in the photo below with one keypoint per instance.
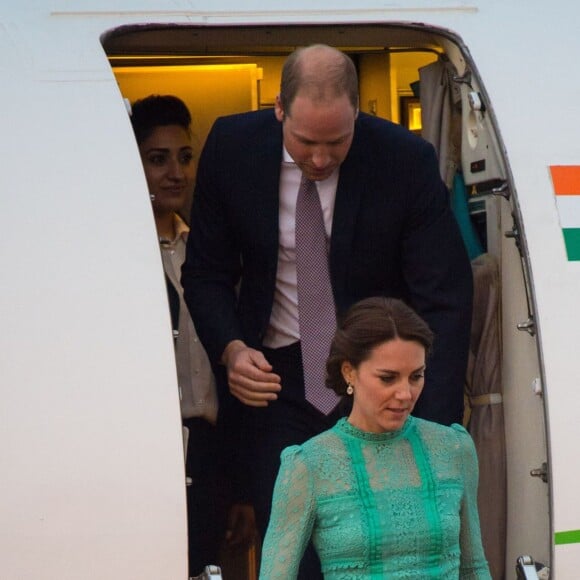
x,y
162,126
382,494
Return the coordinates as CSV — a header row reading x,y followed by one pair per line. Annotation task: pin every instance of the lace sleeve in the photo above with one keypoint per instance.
x,y
291,519
473,565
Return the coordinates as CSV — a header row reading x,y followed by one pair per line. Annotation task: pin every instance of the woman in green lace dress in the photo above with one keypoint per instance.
x,y
382,494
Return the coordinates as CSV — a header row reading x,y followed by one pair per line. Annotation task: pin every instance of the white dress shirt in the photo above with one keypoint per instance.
x,y
283,328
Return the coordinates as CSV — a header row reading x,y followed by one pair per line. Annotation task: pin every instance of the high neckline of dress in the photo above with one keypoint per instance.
x,y
344,426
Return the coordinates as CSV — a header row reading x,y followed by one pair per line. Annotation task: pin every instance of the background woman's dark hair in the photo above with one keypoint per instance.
x,y
158,111
367,324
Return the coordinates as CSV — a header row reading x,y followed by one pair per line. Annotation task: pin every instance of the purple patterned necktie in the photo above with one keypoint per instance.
x,y
316,312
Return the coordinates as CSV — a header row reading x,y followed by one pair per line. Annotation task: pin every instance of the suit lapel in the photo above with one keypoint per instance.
x,y
265,169
348,197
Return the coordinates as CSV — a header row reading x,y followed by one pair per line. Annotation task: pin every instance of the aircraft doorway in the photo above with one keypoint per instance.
x,y
219,71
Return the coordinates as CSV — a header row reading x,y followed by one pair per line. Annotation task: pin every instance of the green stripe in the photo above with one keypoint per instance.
x,y
369,507
435,550
572,240
569,537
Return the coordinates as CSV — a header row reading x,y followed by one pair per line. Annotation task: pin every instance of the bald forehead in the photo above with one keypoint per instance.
x,y
319,68
316,61
319,72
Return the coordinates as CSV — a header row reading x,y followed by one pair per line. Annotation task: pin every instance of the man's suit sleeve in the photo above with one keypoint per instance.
x,y
209,277
438,275
212,266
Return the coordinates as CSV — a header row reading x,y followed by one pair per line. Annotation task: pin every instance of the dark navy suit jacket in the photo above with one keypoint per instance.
x,y
393,234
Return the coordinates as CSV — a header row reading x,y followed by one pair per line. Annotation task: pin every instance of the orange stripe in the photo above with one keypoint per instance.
x,y
566,179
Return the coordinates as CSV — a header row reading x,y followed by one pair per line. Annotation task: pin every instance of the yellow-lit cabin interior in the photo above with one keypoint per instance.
x,y
215,77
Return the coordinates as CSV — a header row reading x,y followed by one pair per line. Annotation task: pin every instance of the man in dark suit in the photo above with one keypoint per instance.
x,y
391,233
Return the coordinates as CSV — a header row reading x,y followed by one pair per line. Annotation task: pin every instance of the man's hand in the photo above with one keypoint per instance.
x,y
250,375
241,525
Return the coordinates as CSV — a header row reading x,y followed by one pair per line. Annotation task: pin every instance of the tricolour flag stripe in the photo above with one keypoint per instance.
x,y
569,537
566,183
568,210
566,179
572,241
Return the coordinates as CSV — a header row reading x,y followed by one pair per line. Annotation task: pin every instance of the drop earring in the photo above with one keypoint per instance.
x,y
349,389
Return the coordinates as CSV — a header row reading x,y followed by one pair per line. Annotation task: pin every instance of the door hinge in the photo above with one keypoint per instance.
x,y
541,472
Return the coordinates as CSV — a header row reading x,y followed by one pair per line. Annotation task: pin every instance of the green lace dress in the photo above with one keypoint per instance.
x,y
400,505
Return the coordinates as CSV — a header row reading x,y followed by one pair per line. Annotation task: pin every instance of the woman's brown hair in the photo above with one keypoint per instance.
x,y
367,324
